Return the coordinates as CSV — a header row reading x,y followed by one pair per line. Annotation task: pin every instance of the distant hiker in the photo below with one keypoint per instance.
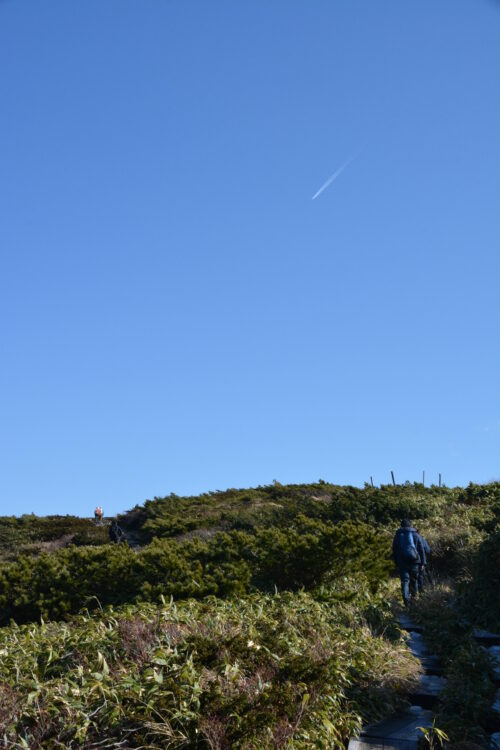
x,y
408,554
423,561
115,533
98,514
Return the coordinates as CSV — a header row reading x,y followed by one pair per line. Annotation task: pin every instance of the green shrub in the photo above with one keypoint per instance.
x,y
279,505
256,672
481,600
54,586
465,703
30,534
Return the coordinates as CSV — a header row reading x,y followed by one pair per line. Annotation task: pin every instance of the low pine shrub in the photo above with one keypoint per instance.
x,y
56,585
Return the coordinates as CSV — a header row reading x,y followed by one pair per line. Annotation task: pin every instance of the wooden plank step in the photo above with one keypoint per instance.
x,y
493,720
416,644
431,684
494,652
432,664
486,638
427,693
407,623
400,732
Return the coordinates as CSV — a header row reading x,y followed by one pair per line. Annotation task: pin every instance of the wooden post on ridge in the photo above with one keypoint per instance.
x,y
423,478
371,480
393,482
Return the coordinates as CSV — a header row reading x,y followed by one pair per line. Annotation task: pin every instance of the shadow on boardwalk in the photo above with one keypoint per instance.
x,y
404,731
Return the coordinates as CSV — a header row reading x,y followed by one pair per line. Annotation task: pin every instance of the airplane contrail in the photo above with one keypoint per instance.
x,y
333,177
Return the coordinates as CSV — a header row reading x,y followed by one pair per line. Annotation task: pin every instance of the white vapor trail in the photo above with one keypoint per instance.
x,y
333,177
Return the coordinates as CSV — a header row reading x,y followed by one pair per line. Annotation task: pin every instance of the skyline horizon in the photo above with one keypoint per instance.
x,y
367,484
186,303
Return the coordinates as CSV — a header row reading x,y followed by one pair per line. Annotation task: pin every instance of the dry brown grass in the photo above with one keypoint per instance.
x,y
9,706
137,639
214,729
395,669
56,544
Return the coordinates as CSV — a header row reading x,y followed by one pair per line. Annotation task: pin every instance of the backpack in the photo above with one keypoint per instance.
x,y
407,548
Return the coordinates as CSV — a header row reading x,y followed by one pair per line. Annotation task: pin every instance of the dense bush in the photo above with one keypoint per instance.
x,y
303,553
261,672
283,536
236,668
56,585
481,599
465,704
30,534
278,505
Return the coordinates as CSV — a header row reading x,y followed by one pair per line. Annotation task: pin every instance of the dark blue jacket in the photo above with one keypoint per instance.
x,y
419,544
115,532
426,548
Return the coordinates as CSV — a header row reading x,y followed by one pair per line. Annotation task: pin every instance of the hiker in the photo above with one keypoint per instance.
x,y
115,533
408,554
98,514
423,562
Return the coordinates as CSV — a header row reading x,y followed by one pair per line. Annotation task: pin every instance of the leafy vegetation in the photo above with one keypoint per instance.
x,y
452,610
480,596
31,535
277,504
245,673
58,584
279,632
465,705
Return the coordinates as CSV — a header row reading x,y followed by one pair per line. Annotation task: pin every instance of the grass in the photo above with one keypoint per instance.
x,y
299,648
267,671
465,704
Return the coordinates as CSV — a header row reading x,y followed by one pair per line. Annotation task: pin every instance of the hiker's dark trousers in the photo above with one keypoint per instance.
x,y
421,578
409,581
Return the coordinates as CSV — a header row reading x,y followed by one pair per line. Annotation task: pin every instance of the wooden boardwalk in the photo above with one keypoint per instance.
x,y
404,731
401,732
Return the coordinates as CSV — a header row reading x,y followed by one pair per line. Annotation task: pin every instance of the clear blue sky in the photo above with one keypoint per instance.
x,y
177,314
